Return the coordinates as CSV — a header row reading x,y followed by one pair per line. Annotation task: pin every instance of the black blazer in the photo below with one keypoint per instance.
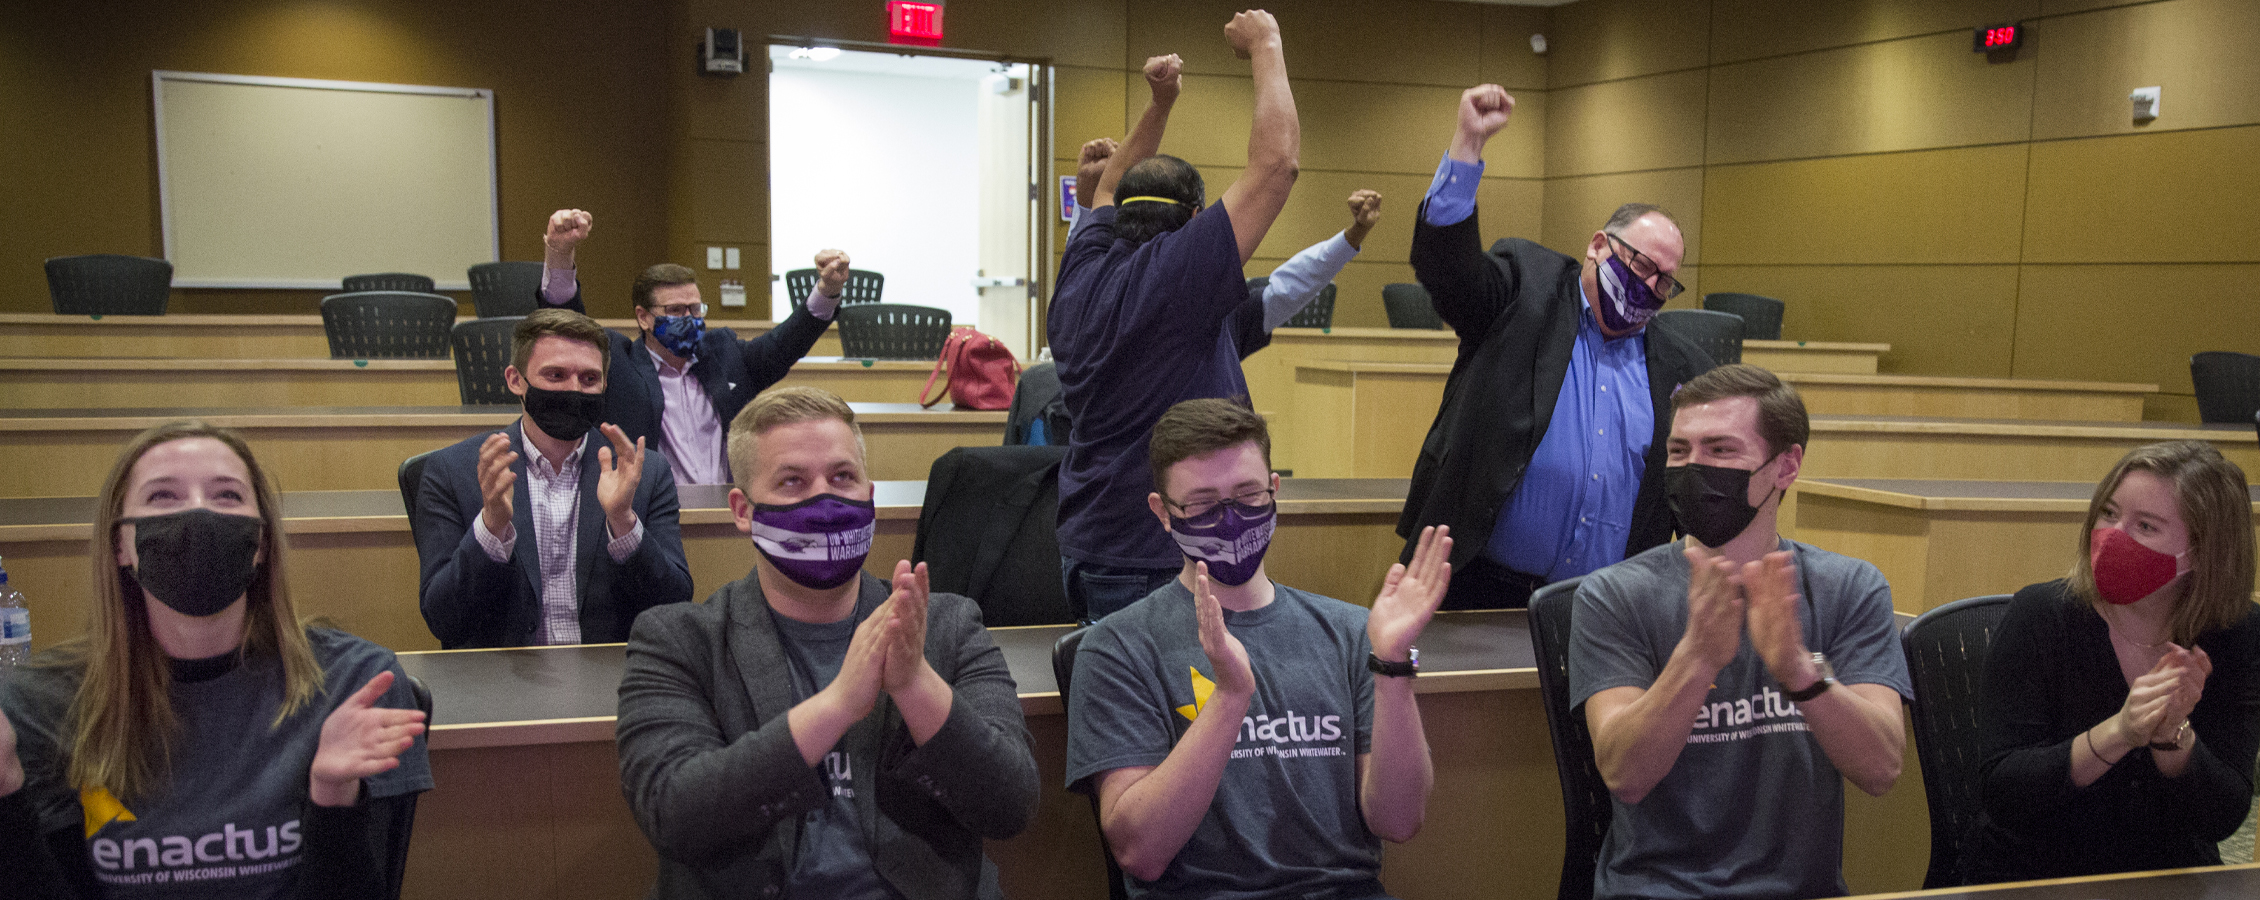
x,y
1515,309
732,371
470,600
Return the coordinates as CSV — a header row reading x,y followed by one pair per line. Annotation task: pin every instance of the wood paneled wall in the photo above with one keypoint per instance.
x,y
1984,215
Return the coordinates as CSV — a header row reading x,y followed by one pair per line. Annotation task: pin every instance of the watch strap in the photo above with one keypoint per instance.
x,y
1408,669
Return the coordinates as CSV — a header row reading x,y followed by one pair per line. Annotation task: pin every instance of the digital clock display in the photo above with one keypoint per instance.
x,y
1997,37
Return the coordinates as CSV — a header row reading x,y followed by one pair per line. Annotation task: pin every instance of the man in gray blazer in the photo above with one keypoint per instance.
x,y
812,730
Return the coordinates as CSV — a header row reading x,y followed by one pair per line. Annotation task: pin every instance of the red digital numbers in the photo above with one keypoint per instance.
x,y
1997,37
914,20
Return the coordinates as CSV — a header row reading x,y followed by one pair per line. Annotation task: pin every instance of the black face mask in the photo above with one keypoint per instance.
x,y
196,561
1712,503
564,415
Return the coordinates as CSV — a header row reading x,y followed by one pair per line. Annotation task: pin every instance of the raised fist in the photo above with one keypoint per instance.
x,y
1162,75
1249,30
1365,207
567,228
1484,110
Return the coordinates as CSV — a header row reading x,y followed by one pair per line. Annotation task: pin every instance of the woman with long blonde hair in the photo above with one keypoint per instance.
x,y
198,740
2121,704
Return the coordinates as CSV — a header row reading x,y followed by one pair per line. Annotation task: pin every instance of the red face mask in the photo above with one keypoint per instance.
x,y
2125,570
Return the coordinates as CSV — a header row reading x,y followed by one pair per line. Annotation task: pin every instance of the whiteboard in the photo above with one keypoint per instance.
x,y
297,183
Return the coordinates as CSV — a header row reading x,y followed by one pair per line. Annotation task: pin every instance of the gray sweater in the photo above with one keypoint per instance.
x,y
717,784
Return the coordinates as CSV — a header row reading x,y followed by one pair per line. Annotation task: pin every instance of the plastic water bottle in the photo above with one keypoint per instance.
x,y
15,626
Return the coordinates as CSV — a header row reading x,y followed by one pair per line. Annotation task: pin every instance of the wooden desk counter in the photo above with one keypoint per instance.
x,y
1820,357
1998,449
1975,398
1939,541
353,560
51,383
236,336
67,452
2238,882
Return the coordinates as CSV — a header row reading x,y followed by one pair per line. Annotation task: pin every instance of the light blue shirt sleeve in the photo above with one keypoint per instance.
x,y
1301,277
1075,222
1451,197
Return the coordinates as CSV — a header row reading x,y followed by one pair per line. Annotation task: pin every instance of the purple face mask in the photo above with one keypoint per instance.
x,y
1233,546
1626,302
819,542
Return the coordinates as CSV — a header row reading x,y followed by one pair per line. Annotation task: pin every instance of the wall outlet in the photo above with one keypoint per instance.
x,y
730,258
733,292
2145,103
714,257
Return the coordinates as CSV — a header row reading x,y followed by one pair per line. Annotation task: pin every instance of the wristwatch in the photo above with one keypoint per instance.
x,y
2176,743
1408,669
1827,680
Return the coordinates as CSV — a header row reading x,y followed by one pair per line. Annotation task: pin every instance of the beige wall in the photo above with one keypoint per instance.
x,y
1998,217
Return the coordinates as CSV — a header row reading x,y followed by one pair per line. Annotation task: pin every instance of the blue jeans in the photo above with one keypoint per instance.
x,y
1094,590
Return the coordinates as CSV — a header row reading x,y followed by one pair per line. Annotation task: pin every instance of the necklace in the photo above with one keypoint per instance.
x,y
2113,629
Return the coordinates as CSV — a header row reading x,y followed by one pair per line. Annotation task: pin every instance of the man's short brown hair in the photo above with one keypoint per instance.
x,y
1781,413
783,406
656,277
1197,427
563,323
1631,212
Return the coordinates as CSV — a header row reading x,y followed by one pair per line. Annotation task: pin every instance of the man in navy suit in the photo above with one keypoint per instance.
x,y
677,384
540,533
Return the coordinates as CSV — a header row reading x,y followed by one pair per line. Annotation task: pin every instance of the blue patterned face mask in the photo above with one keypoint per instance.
x,y
680,334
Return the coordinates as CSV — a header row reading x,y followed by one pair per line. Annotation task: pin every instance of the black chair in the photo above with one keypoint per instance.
x,y
988,530
505,288
1946,660
389,281
1761,316
1318,313
2228,385
482,351
387,325
1038,414
398,821
106,284
1409,306
1718,333
864,286
1585,796
1063,671
411,477
892,331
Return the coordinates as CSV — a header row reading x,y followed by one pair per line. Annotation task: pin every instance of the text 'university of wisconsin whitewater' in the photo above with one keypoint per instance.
x,y
1289,727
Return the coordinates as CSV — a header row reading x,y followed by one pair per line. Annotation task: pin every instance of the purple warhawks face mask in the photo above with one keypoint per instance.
x,y
1626,302
1233,545
820,542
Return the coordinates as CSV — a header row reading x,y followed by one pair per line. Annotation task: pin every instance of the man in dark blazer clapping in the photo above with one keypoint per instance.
x,y
542,533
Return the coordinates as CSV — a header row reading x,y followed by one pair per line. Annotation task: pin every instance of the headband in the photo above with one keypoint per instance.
x,y
1148,200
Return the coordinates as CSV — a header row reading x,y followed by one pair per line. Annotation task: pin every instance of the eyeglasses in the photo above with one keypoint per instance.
x,y
1203,513
681,309
1644,268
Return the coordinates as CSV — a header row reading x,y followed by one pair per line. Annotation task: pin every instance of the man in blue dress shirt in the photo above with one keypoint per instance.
x,y
1546,454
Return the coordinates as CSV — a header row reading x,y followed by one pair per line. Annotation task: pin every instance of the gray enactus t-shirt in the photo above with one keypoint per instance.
x,y
1752,808
1285,820
834,858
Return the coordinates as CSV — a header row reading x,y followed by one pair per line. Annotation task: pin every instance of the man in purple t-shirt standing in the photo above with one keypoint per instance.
x,y
1147,315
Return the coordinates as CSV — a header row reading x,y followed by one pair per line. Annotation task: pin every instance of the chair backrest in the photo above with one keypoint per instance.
x,y
387,325
1409,306
393,833
482,351
389,281
1038,414
864,286
1063,671
1718,333
2228,385
505,288
1318,313
1946,659
892,331
106,284
988,530
1585,796
411,478
1761,316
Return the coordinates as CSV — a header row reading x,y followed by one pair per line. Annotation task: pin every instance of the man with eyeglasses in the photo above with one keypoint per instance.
x,y
1545,458
678,383
1247,739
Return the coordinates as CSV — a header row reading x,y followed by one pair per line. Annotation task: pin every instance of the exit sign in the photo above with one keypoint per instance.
x,y
1997,37
914,21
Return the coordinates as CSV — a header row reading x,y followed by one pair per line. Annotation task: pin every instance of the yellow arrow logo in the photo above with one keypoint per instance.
x,y
101,809
1202,688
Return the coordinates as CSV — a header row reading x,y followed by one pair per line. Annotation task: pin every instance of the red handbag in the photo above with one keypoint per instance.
x,y
981,370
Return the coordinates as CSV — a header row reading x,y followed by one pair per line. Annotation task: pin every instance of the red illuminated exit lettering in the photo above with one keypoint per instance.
x,y
917,21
